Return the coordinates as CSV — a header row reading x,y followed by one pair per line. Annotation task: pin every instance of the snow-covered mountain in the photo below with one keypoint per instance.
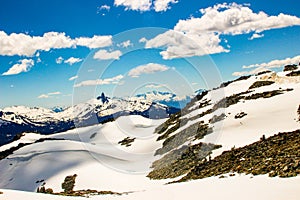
x,y
166,98
18,119
230,134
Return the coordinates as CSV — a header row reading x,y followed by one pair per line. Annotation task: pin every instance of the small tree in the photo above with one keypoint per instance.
x,y
69,183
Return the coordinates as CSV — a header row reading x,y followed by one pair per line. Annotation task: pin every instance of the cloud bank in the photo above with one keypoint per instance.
x,y
201,36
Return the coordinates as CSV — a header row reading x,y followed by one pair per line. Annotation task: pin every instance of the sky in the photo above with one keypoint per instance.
x,y
59,53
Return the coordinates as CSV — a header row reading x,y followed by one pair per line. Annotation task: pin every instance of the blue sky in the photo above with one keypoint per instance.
x,y
55,53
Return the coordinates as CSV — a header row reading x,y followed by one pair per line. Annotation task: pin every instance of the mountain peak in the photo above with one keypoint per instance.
x,y
103,98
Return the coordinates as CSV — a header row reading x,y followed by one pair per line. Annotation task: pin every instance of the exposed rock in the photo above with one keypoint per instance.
x,y
290,67
68,186
263,72
260,84
195,131
180,161
267,94
240,115
69,183
216,118
228,101
294,73
278,155
126,141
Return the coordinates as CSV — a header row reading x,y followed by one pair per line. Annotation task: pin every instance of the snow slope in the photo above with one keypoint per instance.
x,y
265,116
239,187
96,155
93,153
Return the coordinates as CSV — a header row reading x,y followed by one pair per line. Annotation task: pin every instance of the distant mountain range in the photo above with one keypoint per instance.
x,y
18,119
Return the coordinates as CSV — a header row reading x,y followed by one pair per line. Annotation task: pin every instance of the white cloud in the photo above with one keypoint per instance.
x,y
53,93
107,81
73,78
95,41
59,60
269,65
145,5
276,63
104,7
25,45
235,19
125,44
180,45
204,32
143,40
163,5
23,66
155,86
149,68
106,55
137,5
256,35
43,96
72,60
50,94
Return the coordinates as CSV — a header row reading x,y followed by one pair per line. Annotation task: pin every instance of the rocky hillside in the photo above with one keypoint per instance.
x,y
249,125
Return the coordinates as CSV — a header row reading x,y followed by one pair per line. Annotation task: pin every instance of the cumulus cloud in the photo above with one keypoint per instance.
x,y
59,60
256,35
145,5
235,19
73,78
269,65
149,68
205,31
106,55
125,44
23,66
25,45
94,42
72,60
163,5
140,5
107,81
180,45
50,94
